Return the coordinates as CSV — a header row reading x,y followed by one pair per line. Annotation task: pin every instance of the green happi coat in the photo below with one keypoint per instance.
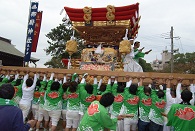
x,y
18,93
182,117
5,80
53,99
145,103
96,118
73,102
86,98
118,100
157,108
41,91
131,103
138,55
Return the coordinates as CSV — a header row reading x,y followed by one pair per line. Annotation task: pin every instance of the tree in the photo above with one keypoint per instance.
x,y
57,41
183,63
146,66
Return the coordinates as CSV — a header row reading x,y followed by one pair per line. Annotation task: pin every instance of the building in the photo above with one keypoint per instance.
x,y
10,56
161,64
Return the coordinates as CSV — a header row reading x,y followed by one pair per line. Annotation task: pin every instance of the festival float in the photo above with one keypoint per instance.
x,y
108,34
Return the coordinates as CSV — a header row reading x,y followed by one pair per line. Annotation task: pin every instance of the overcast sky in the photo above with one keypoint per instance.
x,y
157,17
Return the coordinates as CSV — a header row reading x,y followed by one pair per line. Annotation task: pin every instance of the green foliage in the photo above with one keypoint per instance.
x,y
146,66
183,63
57,42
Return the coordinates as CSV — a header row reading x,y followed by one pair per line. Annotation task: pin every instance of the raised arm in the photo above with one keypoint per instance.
x,y
178,91
24,81
193,91
95,85
64,80
168,90
100,83
34,81
50,81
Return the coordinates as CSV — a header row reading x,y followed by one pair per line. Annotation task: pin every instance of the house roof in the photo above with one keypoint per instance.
x,y
7,47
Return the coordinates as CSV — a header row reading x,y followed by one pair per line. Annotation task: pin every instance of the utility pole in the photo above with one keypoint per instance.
x,y
172,49
171,36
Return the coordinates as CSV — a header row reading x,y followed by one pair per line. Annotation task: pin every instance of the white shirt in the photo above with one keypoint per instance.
x,y
27,92
170,99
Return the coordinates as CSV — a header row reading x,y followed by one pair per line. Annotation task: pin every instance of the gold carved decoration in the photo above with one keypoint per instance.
x,y
110,15
87,14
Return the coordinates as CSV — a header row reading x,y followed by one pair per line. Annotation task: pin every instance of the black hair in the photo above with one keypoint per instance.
x,y
137,42
89,88
133,89
102,87
147,90
120,89
186,96
160,94
29,82
55,86
173,92
10,80
73,86
38,83
18,82
107,99
65,86
7,91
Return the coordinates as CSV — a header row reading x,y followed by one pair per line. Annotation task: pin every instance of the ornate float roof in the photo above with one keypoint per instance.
x,y
107,25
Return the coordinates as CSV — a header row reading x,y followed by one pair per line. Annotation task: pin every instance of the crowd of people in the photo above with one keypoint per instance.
x,y
82,106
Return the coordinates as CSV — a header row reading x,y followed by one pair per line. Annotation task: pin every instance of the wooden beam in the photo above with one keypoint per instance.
x,y
120,74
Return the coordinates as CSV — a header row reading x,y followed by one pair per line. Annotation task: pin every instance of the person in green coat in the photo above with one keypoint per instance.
x,y
87,93
138,52
97,118
53,101
156,110
182,116
145,102
131,102
73,106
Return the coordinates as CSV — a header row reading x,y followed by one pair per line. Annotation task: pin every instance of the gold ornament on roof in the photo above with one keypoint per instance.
x,y
110,15
87,14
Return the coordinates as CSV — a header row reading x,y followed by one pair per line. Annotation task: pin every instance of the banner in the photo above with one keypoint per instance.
x,y
36,31
30,30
